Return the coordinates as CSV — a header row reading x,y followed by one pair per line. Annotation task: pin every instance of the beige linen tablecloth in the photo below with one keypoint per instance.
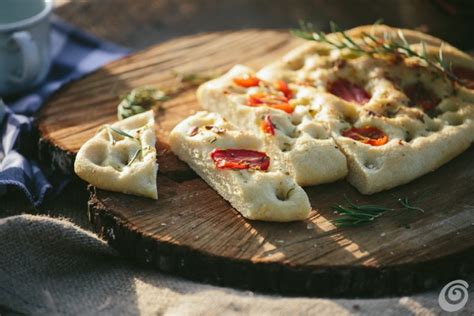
x,y
50,266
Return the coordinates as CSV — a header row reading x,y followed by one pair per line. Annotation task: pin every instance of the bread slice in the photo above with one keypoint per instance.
x,y
427,118
122,157
299,141
255,184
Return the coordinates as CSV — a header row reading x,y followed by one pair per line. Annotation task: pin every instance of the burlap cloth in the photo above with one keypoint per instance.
x,y
50,266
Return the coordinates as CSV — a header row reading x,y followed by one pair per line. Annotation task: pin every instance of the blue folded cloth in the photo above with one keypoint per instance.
x,y
74,53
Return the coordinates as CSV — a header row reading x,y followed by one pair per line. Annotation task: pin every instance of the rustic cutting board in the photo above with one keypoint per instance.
x,y
191,231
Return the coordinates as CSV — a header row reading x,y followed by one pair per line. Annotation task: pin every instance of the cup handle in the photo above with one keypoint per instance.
x,y
29,55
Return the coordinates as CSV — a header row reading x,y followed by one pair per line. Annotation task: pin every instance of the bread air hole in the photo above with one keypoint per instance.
x,y
292,133
283,192
296,119
351,119
371,164
315,131
285,146
98,155
448,107
433,127
409,137
452,119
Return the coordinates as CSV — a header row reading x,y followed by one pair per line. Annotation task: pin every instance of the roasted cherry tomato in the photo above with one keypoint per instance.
x,y
422,97
367,135
274,101
267,125
349,91
240,159
282,86
247,82
466,75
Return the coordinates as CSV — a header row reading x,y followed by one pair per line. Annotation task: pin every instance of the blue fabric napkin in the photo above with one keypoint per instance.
x,y
74,54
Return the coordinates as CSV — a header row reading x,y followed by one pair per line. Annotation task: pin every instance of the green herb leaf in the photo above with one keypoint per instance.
x,y
120,132
135,156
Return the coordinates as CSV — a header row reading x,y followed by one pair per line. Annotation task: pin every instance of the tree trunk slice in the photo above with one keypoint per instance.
x,y
191,231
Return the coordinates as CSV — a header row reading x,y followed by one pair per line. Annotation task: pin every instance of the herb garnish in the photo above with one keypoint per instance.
x,y
372,45
135,156
145,98
287,195
120,132
115,130
140,100
357,215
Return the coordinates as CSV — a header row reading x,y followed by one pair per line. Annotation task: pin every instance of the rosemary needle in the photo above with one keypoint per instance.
x,y
120,132
135,156
404,202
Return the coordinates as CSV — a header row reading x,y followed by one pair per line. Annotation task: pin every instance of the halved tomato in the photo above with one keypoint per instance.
x,y
348,91
274,101
466,75
367,135
247,81
282,86
420,96
240,159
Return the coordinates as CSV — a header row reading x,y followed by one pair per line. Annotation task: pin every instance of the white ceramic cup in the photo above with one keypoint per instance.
x,y
24,44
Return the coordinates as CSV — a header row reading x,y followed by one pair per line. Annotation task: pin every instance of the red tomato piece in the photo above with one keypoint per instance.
x,y
274,101
286,107
422,97
256,99
240,159
267,125
282,86
466,75
349,91
367,135
247,82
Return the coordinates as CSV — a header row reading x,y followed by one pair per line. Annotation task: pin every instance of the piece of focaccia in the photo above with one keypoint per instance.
x,y
394,119
122,157
282,114
234,163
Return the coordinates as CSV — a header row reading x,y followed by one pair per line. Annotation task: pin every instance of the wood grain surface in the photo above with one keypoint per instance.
x,y
192,231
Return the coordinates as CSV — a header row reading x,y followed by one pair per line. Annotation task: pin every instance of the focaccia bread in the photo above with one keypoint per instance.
x,y
122,157
289,130
394,119
235,164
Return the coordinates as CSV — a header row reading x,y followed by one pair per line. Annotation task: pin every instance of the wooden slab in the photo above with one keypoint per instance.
x,y
193,232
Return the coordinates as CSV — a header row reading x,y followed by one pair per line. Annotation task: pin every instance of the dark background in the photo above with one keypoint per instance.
x,y
140,23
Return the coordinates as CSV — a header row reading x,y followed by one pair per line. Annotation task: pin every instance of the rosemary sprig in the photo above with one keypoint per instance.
x,y
354,215
135,156
371,45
